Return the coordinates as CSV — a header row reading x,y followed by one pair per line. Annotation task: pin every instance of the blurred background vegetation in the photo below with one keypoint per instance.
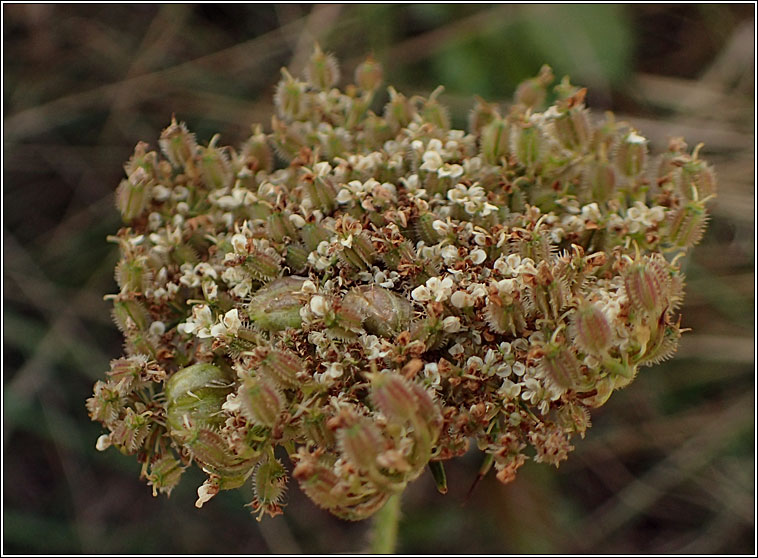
x,y
669,465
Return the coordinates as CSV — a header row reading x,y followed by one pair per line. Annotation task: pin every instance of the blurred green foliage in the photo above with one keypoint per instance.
x,y
667,467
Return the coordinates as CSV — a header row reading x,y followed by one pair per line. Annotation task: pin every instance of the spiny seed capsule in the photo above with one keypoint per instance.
x,y
631,154
434,112
165,473
572,129
662,345
561,366
256,153
194,396
699,175
277,305
592,330
282,367
130,314
599,179
290,98
322,70
213,452
527,143
399,111
687,224
393,396
646,283
130,432
260,401
133,274
369,74
532,92
495,140
360,441
214,165
382,312
481,115
133,195
313,234
178,144
279,226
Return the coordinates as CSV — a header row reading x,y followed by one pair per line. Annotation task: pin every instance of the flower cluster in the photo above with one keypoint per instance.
x,y
369,292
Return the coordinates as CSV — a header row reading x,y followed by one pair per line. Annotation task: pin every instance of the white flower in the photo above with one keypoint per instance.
x,y
451,324
319,305
205,492
456,349
432,161
461,299
228,326
421,294
440,289
199,323
239,243
453,171
509,389
157,328
478,256
432,374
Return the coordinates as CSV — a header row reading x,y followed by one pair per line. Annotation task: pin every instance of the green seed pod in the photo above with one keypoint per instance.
x,y
424,230
256,153
528,144
572,129
129,315
194,396
630,154
686,225
133,195
261,401
481,115
561,366
399,111
133,274
382,312
532,92
297,257
263,265
503,317
288,139
130,432
369,74
647,283
282,367
322,70
214,453
699,175
178,144
360,255
279,227
165,473
599,180
106,403
321,194
313,234
393,396
215,166
434,112
360,442
269,486
495,140
662,345
291,99
277,305
592,331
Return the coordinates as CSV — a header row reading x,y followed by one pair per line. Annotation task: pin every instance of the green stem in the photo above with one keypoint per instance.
x,y
384,533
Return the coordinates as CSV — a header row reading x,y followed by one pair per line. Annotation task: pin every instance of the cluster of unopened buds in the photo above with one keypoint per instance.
x,y
356,296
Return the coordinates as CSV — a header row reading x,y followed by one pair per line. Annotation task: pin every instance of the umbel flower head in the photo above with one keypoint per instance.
x,y
359,294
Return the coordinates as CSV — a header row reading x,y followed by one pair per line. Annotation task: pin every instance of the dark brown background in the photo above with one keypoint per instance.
x,y
669,464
